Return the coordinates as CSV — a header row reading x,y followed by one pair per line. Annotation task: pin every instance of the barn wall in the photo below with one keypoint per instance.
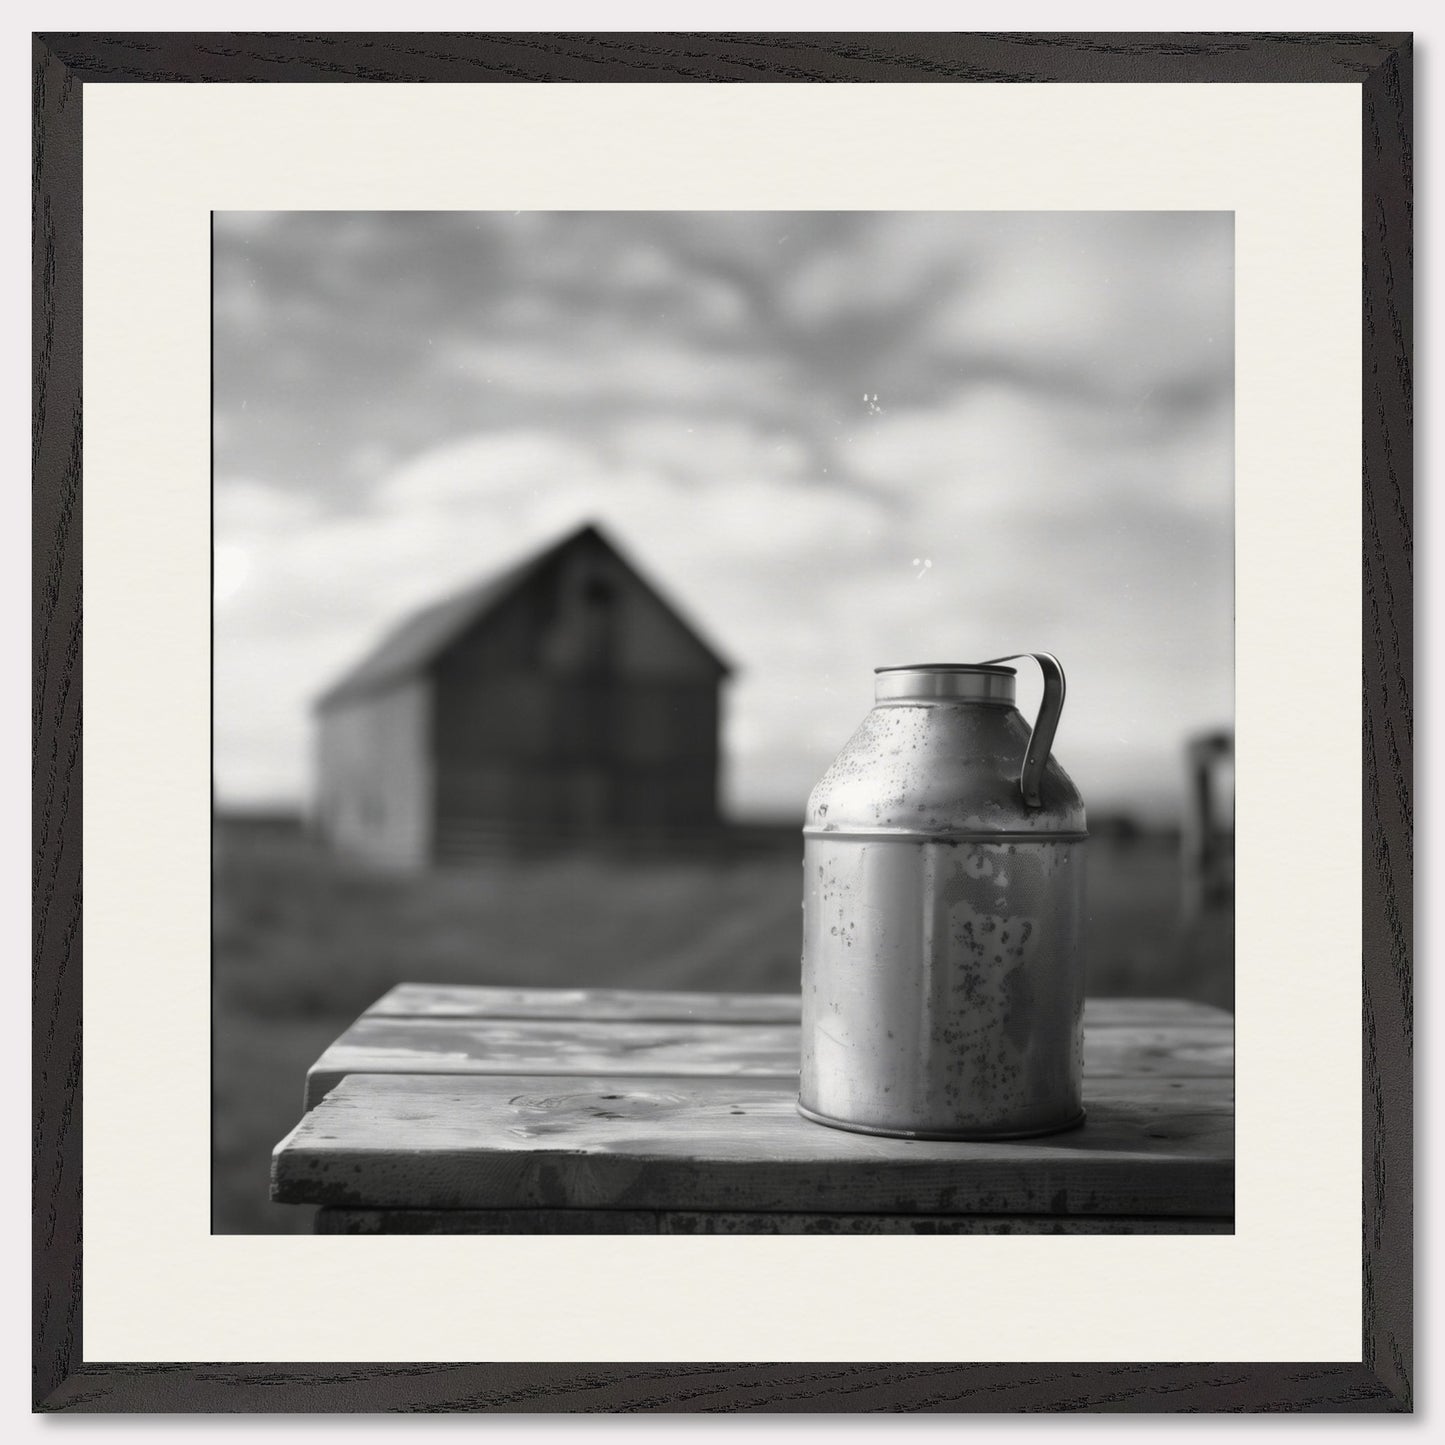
x,y
541,722
375,776
530,749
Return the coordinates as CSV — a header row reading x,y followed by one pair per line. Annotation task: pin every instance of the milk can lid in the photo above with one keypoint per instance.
x,y
948,667
944,681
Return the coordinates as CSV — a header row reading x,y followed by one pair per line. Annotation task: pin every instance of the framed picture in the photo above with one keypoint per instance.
x,y
166,145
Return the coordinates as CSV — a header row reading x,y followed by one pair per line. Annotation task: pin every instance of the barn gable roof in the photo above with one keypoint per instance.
x,y
421,638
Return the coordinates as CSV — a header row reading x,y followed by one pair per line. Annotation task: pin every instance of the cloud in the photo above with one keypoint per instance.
x,y
996,451
615,369
1112,305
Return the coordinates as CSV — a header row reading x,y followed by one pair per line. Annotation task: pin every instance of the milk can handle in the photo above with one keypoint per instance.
x,y
1041,740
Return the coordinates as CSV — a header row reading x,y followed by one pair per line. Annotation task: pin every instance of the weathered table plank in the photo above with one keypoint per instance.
x,y
424,1000
455,1045
738,1145
553,1046
656,1221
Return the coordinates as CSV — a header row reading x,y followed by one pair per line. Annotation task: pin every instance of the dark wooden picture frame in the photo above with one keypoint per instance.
x,y
1379,65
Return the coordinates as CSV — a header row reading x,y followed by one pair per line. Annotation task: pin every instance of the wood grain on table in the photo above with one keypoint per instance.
x,y
528,1141
653,1112
590,1032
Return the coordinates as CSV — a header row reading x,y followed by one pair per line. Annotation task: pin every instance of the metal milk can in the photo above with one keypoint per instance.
x,y
943,965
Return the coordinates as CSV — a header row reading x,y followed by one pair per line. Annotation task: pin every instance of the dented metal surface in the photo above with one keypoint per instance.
x,y
943,967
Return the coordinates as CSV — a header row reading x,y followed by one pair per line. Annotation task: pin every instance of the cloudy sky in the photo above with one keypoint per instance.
x,y
835,441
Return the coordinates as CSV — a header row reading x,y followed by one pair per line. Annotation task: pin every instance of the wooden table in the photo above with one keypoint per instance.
x,y
499,1110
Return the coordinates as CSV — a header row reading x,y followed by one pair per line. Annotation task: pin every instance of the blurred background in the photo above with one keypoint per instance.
x,y
792,446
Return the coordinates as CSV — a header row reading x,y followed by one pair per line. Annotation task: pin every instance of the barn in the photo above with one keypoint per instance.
x,y
562,700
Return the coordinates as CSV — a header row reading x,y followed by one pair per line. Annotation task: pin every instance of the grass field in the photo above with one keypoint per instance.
x,y
303,943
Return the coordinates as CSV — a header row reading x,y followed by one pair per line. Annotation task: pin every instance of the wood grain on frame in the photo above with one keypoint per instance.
x,y
1380,65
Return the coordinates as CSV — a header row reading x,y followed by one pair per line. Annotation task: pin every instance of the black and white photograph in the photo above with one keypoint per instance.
x,y
723,722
